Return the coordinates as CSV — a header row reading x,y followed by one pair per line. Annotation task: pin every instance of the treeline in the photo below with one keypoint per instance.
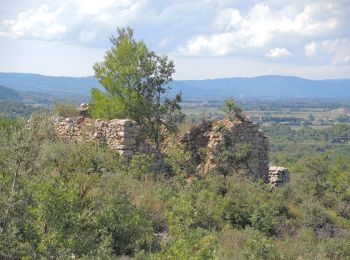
x,y
332,134
292,104
290,147
10,109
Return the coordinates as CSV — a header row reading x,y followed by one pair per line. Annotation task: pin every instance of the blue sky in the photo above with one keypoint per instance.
x,y
205,38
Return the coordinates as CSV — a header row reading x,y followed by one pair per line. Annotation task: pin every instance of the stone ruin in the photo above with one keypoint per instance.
x,y
278,176
208,136
202,142
121,135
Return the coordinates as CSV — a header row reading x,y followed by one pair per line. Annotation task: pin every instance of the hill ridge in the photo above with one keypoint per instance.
x,y
263,86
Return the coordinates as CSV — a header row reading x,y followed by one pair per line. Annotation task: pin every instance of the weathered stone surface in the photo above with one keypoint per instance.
x,y
278,176
84,110
122,135
204,144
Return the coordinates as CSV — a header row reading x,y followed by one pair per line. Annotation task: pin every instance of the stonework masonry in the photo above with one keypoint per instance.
x,y
122,135
203,142
207,136
278,176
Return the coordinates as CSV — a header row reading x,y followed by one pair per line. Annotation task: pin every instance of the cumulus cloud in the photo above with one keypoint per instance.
x,y
41,23
278,52
216,44
261,26
300,33
70,20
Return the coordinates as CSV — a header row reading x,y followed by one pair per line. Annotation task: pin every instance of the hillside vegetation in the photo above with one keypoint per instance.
x,y
65,200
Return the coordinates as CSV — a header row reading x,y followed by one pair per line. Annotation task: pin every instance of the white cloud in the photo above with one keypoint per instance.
x,y
278,52
217,44
330,51
72,20
110,12
261,26
310,49
41,23
228,19
311,33
339,48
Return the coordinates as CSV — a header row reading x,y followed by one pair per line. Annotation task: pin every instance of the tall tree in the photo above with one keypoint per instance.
x,y
135,80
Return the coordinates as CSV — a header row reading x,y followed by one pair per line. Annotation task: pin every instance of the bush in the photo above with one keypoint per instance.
x,y
316,218
245,244
199,244
124,227
65,110
259,247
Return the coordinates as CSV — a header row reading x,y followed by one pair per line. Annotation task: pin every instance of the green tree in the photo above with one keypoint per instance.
x,y
232,110
135,80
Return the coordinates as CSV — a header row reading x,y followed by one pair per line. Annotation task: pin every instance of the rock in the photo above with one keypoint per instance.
x,y
278,176
125,122
84,110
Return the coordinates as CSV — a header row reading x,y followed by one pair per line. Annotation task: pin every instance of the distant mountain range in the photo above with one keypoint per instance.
x,y
256,87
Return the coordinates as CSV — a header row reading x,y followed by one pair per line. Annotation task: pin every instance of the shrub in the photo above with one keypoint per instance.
x,y
258,247
245,244
315,217
65,110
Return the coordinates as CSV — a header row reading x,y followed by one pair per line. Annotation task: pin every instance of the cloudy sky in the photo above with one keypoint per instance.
x,y
205,38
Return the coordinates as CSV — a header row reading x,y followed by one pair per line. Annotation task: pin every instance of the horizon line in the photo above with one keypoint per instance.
x,y
232,77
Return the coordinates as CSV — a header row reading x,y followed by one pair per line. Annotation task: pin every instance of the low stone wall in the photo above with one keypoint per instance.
x,y
122,135
278,176
208,136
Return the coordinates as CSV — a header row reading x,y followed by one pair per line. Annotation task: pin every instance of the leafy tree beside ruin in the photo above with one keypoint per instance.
x,y
135,81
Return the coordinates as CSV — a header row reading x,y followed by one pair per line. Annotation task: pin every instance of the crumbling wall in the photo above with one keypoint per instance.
x,y
122,135
206,139
278,176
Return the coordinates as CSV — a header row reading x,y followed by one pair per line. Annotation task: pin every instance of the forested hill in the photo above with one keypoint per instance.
x,y
257,87
264,87
8,94
53,86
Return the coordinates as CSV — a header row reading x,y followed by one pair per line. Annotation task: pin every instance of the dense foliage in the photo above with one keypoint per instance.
x,y
77,200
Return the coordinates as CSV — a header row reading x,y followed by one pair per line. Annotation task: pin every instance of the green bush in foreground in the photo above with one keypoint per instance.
x,y
77,200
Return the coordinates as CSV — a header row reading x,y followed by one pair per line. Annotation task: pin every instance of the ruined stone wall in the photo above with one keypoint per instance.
x,y
209,135
122,135
204,142
278,176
